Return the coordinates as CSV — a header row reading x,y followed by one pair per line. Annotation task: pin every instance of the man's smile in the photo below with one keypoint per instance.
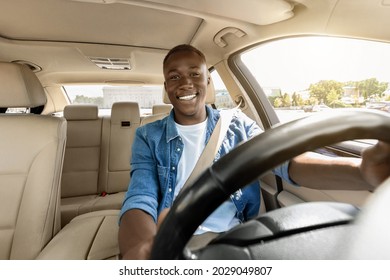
x,y
187,97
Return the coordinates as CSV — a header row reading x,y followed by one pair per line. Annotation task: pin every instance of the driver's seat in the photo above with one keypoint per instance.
x,y
31,156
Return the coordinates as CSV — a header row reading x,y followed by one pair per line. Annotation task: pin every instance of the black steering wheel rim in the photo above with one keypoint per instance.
x,y
254,158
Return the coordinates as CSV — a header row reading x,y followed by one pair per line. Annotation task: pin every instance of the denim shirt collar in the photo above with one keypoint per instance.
x,y
212,118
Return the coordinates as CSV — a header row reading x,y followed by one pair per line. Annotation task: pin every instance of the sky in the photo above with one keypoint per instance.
x,y
293,64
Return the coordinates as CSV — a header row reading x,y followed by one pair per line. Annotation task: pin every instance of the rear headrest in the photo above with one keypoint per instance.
x,y
20,87
125,113
77,112
210,94
161,109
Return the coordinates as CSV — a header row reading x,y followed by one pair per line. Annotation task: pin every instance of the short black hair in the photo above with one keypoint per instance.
x,y
184,48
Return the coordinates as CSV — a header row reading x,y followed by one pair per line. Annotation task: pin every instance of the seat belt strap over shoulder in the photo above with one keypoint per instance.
x,y
225,120
212,146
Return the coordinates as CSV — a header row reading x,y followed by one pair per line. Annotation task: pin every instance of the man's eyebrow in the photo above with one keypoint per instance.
x,y
176,70
172,71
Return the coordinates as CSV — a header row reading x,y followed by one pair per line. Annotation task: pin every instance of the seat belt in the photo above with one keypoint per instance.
x,y
212,146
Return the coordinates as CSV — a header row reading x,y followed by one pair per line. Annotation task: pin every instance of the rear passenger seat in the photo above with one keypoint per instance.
x,y
159,112
118,136
96,169
161,109
80,173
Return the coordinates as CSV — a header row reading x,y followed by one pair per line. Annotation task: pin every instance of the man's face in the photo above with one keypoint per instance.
x,y
186,80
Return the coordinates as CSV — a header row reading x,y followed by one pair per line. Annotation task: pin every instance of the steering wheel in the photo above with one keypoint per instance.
x,y
252,159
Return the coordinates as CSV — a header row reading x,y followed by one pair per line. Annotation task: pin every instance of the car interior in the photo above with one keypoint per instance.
x,y
65,166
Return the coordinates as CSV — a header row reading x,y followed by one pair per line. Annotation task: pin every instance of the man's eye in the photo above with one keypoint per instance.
x,y
195,74
174,77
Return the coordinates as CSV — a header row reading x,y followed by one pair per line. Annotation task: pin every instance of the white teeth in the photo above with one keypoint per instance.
x,y
187,97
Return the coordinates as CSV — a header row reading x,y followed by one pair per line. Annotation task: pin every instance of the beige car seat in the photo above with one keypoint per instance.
x,y
161,109
32,150
80,175
96,171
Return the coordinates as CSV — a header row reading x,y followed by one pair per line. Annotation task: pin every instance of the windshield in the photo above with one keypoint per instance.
x,y
306,75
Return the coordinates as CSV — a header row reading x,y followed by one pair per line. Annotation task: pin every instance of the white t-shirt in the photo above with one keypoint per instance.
x,y
194,137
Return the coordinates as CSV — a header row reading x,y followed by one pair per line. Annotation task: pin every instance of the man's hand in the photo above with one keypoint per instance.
x,y
140,251
375,166
136,234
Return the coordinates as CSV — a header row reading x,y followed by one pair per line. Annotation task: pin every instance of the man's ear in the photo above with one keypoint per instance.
x,y
208,80
165,86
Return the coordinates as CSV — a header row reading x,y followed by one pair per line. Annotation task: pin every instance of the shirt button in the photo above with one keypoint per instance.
x,y
169,189
178,149
173,168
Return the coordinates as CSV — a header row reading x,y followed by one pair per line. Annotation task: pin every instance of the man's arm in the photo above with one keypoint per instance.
x,y
136,233
318,171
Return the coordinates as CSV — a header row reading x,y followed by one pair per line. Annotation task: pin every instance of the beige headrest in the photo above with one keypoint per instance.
x,y
20,87
125,112
161,109
210,95
76,112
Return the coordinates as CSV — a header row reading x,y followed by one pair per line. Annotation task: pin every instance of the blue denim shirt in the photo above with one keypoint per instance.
x,y
156,151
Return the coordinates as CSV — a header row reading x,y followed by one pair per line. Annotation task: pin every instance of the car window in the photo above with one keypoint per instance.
x,y
146,96
105,96
222,96
306,75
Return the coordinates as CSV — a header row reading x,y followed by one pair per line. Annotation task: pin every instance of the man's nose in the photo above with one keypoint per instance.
x,y
186,81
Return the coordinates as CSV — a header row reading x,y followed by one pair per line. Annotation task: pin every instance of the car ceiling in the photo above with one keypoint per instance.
x,y
61,36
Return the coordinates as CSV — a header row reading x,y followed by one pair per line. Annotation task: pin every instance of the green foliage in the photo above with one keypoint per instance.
x,y
322,89
330,92
333,98
297,100
286,100
278,102
371,87
312,101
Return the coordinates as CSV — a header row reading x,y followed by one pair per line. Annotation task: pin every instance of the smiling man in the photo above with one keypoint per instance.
x,y
166,151
186,84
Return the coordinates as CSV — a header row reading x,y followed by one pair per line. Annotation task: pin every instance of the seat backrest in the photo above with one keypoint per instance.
x,y
32,150
118,136
80,174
